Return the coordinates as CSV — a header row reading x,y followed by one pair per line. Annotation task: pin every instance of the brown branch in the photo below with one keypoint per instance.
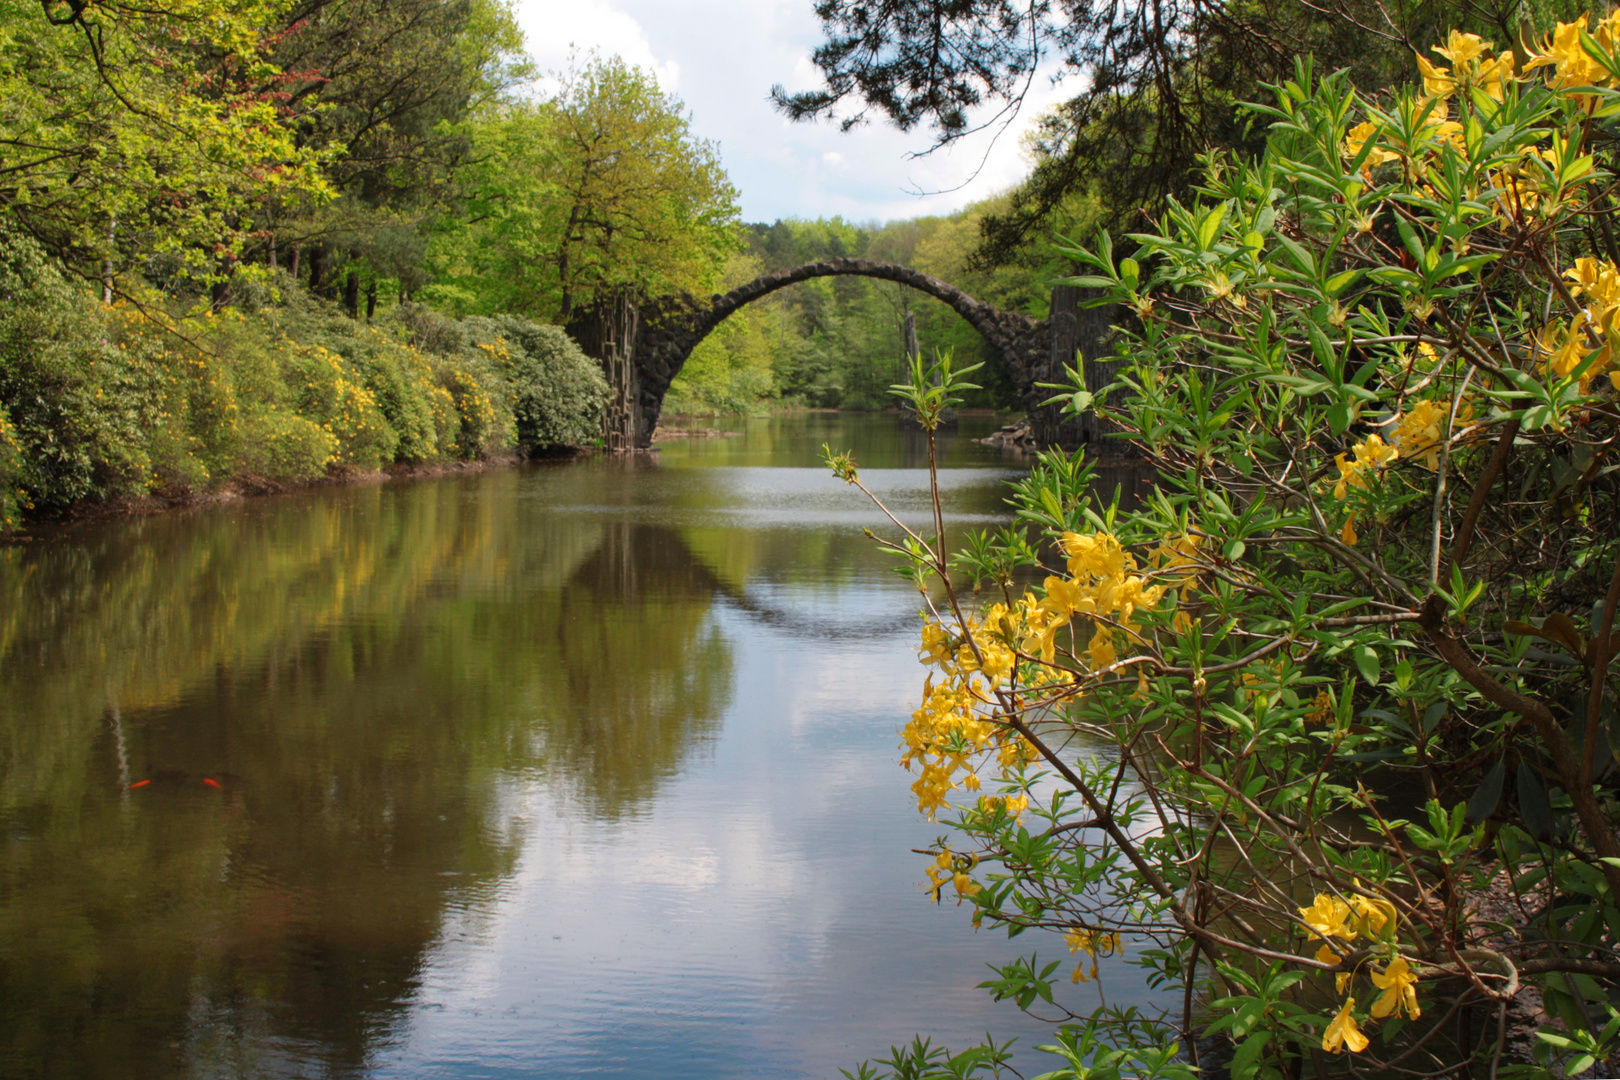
x,y
1476,505
1600,654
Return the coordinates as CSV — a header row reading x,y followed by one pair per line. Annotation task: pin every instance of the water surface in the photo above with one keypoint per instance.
x,y
577,769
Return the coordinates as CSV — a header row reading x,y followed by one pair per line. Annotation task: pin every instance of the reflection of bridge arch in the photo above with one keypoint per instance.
x,y
660,333
643,561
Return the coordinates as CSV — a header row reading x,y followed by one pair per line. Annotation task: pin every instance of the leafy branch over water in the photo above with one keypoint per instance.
x,y
1256,732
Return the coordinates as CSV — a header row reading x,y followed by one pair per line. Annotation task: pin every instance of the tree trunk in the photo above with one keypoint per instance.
x,y
1080,339
351,293
371,298
317,268
292,267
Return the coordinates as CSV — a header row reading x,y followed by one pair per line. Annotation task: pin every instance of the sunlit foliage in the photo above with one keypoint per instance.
x,y
1262,723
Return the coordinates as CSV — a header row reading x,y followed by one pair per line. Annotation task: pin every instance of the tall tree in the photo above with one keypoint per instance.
x,y
604,187
129,131
385,88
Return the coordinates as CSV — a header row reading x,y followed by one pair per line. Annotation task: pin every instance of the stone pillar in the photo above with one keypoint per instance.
x,y
607,333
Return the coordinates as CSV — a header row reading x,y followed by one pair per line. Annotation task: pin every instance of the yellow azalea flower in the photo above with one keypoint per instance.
x,y
1322,710
1327,956
1494,75
1565,348
1358,137
1437,82
1343,1032
1596,279
1373,452
966,886
1374,915
1568,58
1101,649
1329,917
1418,433
936,644
1062,596
1461,48
997,662
1396,982
1342,981
1350,475
1445,131
1097,556
1347,535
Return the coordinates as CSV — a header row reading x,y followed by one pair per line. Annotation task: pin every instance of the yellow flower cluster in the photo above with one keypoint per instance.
x,y
948,868
1565,346
1472,67
1531,184
1103,583
1372,455
1334,920
945,736
1093,943
1419,433
1571,64
955,724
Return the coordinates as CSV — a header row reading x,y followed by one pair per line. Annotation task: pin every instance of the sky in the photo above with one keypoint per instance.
x,y
721,57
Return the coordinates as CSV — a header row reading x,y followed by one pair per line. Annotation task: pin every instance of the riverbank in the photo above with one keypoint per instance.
x,y
250,487
151,402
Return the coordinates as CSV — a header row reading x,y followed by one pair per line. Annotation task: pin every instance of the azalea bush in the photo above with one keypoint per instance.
x,y
1321,733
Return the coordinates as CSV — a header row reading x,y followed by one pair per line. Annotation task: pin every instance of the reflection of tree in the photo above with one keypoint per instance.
x,y
357,671
621,727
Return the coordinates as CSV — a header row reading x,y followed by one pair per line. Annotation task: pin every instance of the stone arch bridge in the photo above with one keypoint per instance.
x,y
643,345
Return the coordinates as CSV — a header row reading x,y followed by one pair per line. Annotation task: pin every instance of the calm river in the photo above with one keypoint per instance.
x,y
581,769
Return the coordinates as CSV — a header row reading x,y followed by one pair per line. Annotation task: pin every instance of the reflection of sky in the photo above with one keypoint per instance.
x,y
764,916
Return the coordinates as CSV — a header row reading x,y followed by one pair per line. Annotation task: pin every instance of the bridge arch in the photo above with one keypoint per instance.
x,y
661,333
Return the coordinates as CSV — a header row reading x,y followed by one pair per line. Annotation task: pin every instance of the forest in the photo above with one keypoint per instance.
x,y
248,245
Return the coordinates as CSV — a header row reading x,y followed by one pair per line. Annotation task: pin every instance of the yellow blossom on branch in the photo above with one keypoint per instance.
x,y
1565,53
1397,982
1419,433
1342,1032
1358,137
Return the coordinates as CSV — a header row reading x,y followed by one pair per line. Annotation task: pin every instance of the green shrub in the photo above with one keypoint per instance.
x,y
13,499
286,448
558,393
331,393
74,405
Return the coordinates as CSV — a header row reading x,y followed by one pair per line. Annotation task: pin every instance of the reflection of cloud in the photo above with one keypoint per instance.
x,y
764,917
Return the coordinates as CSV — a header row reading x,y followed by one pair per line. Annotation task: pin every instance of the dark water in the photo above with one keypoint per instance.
x,y
583,769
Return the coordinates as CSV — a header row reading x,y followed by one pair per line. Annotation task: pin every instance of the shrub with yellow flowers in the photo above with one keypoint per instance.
x,y
1321,732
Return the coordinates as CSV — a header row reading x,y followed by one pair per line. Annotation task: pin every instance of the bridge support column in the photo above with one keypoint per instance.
x,y
607,333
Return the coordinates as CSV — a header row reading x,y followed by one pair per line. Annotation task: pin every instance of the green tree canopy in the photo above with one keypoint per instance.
x,y
129,131
601,187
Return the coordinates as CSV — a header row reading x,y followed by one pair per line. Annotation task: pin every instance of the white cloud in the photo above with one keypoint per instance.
x,y
556,29
723,57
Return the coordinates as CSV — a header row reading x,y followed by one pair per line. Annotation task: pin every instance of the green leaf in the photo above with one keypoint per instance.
x,y
1533,805
1488,796
1366,663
